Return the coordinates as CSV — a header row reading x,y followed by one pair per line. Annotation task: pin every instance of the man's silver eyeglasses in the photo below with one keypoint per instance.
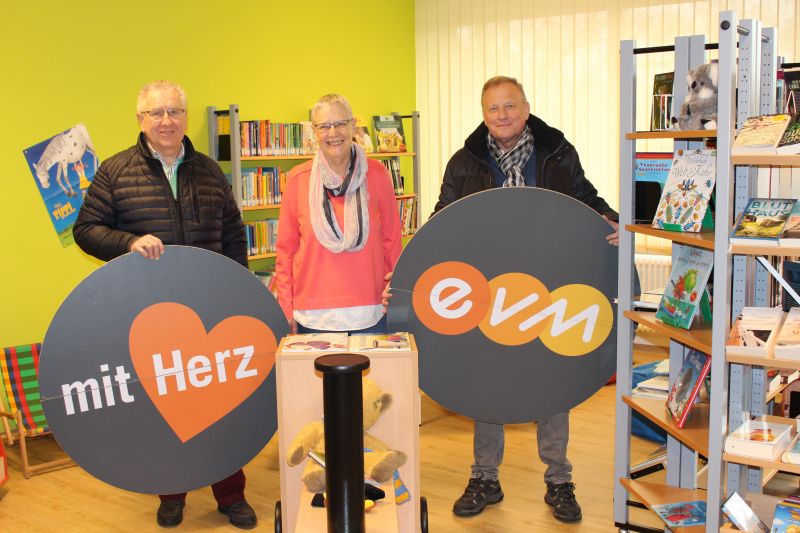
x,y
339,125
173,113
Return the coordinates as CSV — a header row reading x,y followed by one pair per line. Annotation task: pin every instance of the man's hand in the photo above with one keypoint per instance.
x,y
386,294
612,239
293,325
148,246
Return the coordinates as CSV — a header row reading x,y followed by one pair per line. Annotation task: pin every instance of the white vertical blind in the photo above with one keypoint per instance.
x,y
566,54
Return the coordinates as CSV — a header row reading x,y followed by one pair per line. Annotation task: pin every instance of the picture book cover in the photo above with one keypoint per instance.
x,y
760,135
315,342
662,101
681,514
790,142
787,345
309,141
759,439
688,278
389,133
361,134
762,221
742,516
368,342
755,332
687,386
63,167
684,200
650,172
786,518
790,236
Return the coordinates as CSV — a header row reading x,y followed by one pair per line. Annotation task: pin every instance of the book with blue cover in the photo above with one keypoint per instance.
x,y
681,514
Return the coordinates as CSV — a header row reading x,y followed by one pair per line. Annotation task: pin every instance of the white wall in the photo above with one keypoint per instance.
x,y
566,54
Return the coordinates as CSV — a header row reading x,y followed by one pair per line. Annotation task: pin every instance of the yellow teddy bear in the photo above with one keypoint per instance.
x,y
380,461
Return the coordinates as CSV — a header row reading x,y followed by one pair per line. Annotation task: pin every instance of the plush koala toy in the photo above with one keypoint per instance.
x,y
379,463
699,108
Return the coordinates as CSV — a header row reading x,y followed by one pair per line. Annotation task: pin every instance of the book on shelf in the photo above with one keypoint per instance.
x,y
760,135
755,332
742,515
361,134
791,85
389,134
368,342
791,274
660,118
650,172
685,292
681,514
762,221
687,386
787,342
790,141
223,120
759,439
683,205
792,453
654,387
309,140
790,235
315,342
787,516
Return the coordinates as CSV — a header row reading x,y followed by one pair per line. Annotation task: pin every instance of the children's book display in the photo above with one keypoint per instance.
x,y
787,344
389,133
682,514
685,292
761,134
787,516
755,332
687,386
315,342
759,439
762,222
684,200
379,342
742,516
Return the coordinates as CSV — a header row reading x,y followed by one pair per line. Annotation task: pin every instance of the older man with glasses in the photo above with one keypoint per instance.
x,y
157,192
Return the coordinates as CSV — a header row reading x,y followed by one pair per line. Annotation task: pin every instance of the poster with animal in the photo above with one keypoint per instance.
x,y
63,167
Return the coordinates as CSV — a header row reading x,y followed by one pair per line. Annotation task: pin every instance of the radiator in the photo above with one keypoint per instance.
x,y
653,271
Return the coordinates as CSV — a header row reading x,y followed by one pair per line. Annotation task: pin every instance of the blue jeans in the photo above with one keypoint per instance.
x,y
552,437
381,326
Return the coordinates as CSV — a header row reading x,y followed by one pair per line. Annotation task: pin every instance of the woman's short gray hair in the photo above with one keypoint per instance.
x,y
330,99
159,85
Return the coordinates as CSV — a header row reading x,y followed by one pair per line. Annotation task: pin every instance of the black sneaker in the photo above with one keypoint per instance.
x,y
561,498
170,513
240,514
478,494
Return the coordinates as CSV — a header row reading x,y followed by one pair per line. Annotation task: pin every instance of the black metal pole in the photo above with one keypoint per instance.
x,y
344,440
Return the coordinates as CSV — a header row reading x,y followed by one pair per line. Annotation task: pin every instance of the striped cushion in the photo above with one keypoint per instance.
x,y
19,368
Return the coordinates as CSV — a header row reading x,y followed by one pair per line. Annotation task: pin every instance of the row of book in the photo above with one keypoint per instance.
x,y
768,134
408,215
262,235
263,138
262,186
766,332
393,168
340,342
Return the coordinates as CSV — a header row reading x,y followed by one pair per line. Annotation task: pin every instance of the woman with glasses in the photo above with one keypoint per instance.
x,y
338,231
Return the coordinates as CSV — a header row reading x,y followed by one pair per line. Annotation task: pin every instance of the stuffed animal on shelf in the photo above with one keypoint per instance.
x,y
380,461
699,108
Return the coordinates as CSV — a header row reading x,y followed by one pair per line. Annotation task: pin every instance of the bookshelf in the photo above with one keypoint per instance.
x,y
238,162
744,50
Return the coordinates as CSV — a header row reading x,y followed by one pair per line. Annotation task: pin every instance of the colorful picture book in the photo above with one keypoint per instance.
x,y
380,342
761,134
361,134
742,516
685,289
787,343
315,342
790,142
662,101
759,439
755,332
787,516
762,221
684,201
687,386
681,514
389,134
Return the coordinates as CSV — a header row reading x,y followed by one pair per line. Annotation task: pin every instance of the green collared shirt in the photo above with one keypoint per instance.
x,y
170,170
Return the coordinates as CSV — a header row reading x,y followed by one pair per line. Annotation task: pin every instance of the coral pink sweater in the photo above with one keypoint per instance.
x,y
309,276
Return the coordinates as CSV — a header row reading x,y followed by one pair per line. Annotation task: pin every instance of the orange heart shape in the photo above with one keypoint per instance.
x,y
196,378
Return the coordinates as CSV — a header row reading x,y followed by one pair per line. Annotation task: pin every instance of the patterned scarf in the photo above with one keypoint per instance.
x,y
324,181
513,161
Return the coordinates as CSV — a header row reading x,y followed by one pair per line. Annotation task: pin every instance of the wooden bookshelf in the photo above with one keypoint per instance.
x,y
703,240
777,465
693,434
260,256
697,338
655,493
755,249
771,362
779,160
300,157
669,134
261,207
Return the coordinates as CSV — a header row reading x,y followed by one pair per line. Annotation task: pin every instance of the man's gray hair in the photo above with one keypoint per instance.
x,y
330,99
500,80
159,85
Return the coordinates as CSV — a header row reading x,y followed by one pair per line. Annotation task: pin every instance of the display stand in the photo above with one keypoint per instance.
x,y
300,401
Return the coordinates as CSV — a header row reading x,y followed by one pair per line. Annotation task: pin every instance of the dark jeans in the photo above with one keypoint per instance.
x,y
229,490
381,326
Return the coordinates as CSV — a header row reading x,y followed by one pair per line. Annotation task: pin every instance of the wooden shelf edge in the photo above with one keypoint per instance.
x,y
694,434
703,240
301,157
261,256
655,493
761,463
754,249
771,362
670,134
779,160
261,207
699,339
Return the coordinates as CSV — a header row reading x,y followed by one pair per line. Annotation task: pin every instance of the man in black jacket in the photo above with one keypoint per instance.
x,y
158,192
513,148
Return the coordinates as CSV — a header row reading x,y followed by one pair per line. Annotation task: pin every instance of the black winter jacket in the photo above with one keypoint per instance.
x,y
558,168
131,197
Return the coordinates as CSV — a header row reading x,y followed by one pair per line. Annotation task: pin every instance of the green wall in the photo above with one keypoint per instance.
x,y
84,61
